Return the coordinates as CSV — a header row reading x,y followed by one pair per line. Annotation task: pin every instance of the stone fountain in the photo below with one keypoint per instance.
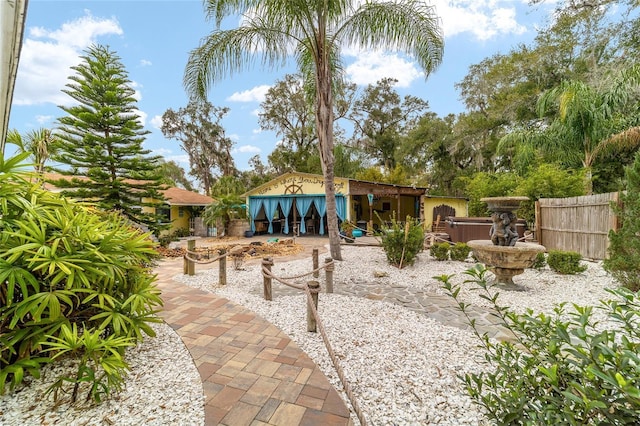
x,y
503,254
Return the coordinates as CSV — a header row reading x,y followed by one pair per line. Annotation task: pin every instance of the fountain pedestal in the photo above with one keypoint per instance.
x,y
503,254
506,261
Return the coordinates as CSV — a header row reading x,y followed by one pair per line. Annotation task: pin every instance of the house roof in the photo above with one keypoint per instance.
x,y
182,197
174,196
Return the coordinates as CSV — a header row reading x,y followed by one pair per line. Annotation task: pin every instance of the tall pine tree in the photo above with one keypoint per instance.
x,y
100,140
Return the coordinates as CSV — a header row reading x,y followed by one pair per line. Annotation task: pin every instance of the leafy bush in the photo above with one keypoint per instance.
x,y
624,250
547,181
402,241
62,266
560,368
540,261
440,251
565,262
459,251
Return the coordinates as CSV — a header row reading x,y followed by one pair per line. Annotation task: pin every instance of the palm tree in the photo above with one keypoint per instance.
x,y
40,143
313,32
590,120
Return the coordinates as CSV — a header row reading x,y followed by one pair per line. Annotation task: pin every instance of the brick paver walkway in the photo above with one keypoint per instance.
x,y
252,373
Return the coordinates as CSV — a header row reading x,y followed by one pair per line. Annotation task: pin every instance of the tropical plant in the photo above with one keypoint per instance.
x,y
560,368
62,264
314,32
224,208
40,143
402,242
100,141
585,122
624,248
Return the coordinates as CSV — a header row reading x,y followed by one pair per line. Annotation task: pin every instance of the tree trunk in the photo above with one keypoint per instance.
x,y
324,123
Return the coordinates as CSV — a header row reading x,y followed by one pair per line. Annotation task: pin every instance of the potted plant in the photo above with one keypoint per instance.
x,y
226,208
346,231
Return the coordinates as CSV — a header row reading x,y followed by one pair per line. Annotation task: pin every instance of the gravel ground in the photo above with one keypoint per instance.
x,y
402,365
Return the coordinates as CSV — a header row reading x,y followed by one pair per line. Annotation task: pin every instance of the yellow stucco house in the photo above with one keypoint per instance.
x,y
295,202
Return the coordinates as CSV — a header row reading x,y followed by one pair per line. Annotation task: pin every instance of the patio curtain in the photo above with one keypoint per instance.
x,y
341,207
270,206
285,205
321,206
303,204
254,209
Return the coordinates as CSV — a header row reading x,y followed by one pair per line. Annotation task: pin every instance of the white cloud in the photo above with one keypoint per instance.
x,y
248,149
234,137
145,63
256,94
483,19
142,116
43,119
256,112
257,131
372,66
47,55
162,151
156,121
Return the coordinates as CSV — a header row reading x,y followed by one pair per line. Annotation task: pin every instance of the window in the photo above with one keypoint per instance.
x,y
164,213
180,211
386,206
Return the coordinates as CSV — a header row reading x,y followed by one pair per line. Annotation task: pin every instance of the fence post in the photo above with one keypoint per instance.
x,y
314,256
328,272
191,266
314,286
267,262
185,264
222,275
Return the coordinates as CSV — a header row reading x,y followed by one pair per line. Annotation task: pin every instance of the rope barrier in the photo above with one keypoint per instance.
x,y
320,326
334,359
202,262
269,274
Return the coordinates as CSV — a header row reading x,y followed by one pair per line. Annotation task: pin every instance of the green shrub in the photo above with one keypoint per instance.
x,y
565,262
459,251
402,241
624,249
440,251
63,264
559,369
540,261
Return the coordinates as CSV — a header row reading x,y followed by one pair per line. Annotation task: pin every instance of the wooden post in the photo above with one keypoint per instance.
x,y
314,256
538,223
222,274
191,266
185,264
267,262
328,270
311,320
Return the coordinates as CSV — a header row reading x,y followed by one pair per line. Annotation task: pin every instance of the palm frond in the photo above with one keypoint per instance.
x,y
411,26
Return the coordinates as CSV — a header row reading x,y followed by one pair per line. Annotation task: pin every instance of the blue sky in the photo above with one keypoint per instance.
x,y
153,38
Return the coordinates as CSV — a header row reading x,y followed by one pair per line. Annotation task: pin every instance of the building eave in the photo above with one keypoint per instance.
x,y
12,22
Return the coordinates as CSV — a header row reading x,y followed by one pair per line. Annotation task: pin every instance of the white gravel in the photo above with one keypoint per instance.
x,y
402,365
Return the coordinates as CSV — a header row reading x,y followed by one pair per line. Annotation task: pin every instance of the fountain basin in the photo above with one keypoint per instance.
x,y
504,204
506,261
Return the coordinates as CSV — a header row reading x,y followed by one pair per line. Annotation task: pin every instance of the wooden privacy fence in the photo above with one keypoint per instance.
x,y
579,224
